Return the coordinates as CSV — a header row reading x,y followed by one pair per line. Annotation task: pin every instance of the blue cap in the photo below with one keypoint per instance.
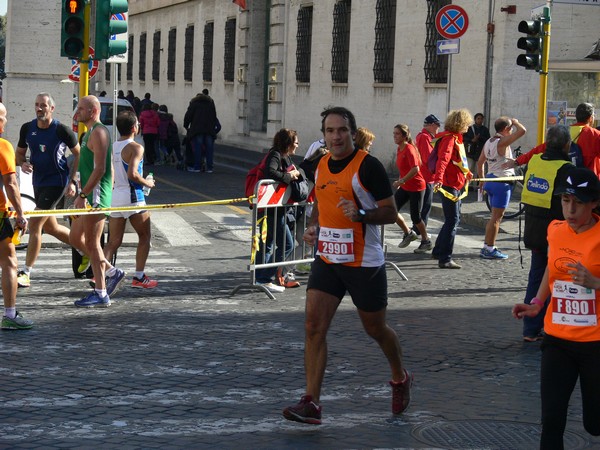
x,y
431,119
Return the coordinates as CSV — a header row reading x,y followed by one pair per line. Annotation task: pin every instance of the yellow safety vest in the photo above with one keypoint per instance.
x,y
538,184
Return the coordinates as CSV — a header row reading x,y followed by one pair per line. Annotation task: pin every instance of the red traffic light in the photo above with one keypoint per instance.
x,y
73,6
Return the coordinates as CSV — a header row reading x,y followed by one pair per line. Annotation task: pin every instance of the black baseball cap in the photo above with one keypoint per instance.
x,y
580,182
431,119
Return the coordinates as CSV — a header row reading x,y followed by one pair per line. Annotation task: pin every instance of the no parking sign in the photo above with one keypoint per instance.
x,y
75,69
451,21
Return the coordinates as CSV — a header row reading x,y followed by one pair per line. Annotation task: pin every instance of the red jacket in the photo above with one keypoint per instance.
x,y
446,172
149,122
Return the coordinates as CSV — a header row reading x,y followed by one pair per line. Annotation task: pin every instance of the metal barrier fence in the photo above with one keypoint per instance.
x,y
270,202
271,208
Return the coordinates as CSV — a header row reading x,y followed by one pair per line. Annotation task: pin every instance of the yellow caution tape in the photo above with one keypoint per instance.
x,y
456,198
256,239
89,210
513,178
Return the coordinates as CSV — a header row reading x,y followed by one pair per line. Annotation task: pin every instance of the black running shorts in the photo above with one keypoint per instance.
x,y
45,196
366,285
6,229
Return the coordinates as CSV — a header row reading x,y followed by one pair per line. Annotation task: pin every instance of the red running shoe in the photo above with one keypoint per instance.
x,y
144,282
401,393
306,411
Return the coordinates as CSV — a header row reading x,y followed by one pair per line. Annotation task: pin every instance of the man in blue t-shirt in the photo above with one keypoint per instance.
x,y
47,140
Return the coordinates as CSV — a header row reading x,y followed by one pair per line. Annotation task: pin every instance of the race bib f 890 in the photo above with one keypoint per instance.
x,y
573,305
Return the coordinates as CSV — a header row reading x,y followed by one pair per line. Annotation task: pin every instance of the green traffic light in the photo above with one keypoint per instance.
x,y
107,27
532,44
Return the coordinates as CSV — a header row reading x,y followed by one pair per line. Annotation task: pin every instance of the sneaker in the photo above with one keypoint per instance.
x,y
306,411
144,282
492,254
424,247
449,265
535,338
92,300
191,169
23,279
273,288
85,264
401,393
289,281
303,269
209,171
18,323
408,238
113,283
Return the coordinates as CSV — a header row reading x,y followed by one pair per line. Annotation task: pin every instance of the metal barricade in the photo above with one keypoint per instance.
x,y
271,201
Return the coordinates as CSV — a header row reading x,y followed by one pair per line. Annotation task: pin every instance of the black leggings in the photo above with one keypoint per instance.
x,y
150,141
416,203
562,363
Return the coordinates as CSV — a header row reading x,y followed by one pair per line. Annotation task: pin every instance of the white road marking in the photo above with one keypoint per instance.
x,y
177,231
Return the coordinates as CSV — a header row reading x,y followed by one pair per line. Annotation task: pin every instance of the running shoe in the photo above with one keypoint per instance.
x,y
408,238
303,269
401,393
306,411
18,323
92,300
114,282
273,288
144,282
424,247
449,265
85,264
288,281
492,254
23,279
534,338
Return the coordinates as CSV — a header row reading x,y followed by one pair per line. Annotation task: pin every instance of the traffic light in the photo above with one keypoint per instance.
x,y
71,32
532,44
108,25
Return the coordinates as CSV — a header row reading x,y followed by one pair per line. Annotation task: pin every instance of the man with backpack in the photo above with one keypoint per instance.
x,y
431,125
47,140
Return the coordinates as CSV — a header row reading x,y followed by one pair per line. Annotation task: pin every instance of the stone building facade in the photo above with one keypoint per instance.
x,y
280,62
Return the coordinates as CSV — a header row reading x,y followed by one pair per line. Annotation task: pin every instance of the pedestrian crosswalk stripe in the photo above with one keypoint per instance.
x,y
177,231
238,226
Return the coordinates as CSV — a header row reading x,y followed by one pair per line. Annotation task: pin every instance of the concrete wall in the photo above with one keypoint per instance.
x,y
266,58
33,64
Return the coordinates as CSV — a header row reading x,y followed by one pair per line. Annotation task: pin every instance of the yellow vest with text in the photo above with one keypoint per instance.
x,y
540,178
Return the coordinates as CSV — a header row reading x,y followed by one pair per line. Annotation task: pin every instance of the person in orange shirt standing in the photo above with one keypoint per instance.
x,y
571,345
12,319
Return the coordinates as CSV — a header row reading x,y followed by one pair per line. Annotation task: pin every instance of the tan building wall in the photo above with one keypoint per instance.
x,y
265,96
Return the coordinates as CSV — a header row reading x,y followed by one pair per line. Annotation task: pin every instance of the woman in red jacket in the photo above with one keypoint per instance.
x,y
451,174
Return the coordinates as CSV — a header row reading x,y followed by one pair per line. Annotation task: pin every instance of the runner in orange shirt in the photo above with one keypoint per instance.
x,y
571,346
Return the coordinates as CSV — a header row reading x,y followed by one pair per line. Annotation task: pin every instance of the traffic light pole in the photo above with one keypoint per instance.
x,y
84,80
542,106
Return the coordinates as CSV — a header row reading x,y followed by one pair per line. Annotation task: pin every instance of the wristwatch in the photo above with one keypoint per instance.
x,y
82,195
361,215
